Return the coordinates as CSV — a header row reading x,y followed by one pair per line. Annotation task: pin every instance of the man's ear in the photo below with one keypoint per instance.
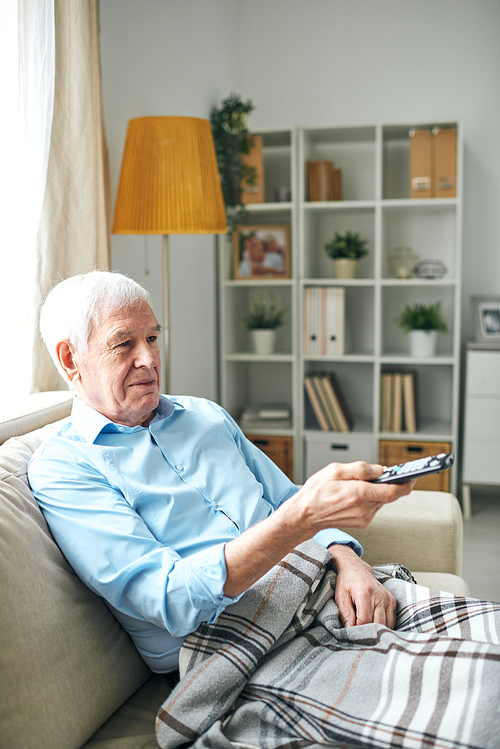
x,y
64,351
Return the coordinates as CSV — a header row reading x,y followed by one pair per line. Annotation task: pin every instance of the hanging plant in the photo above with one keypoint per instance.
x,y
232,139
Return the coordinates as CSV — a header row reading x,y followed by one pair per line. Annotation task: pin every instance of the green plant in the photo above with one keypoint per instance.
x,y
422,317
231,140
264,314
349,245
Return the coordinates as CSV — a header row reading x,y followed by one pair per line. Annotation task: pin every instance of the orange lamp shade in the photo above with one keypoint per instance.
x,y
169,181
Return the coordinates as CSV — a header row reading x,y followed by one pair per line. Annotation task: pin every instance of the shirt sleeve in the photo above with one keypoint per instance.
x,y
114,552
278,488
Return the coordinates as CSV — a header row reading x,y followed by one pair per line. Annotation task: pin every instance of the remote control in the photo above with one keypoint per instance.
x,y
415,468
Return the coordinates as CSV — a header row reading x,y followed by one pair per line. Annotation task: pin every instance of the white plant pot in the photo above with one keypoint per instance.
x,y
423,343
345,267
263,341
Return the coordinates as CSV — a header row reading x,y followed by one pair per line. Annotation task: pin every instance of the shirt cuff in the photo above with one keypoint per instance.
x,y
334,536
207,581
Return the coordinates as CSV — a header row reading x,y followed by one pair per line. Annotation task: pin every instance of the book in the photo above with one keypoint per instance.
x,y
410,411
267,411
326,403
343,416
398,412
386,406
397,401
316,403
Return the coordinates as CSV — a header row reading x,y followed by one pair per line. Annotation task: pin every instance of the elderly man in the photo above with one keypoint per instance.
x,y
160,503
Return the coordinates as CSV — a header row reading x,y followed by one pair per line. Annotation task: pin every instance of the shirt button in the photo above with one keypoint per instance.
x,y
179,467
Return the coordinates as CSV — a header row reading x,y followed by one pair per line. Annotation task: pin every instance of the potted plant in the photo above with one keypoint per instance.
x,y
422,322
262,321
345,250
231,140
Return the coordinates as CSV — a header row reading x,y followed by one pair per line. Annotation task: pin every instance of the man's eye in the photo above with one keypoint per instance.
x,y
152,338
124,344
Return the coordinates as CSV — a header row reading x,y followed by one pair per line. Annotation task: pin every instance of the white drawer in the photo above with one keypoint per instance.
x,y
483,372
323,449
481,463
482,419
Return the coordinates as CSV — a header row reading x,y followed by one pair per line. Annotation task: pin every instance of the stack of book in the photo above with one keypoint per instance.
x,y
324,182
324,321
398,407
266,416
328,403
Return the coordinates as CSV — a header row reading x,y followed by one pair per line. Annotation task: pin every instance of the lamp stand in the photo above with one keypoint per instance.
x,y
166,331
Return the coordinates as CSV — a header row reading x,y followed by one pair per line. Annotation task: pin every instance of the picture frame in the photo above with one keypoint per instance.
x,y
261,252
486,312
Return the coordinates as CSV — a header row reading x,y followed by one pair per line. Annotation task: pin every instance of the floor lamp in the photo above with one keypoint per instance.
x,y
169,184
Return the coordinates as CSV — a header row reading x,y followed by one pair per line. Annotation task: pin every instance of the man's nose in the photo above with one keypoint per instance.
x,y
145,357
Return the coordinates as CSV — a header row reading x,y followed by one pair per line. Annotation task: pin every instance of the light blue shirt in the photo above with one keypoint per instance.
x,y
143,513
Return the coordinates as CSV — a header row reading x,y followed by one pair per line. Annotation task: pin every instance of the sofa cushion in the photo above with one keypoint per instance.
x,y
66,663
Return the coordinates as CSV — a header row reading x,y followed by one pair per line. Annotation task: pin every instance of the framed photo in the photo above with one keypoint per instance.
x,y
261,252
486,310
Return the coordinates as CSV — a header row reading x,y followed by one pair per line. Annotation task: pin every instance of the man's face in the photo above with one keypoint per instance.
x,y
119,375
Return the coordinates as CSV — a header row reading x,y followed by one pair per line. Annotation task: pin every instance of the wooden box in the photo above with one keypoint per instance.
x,y
394,452
255,159
279,449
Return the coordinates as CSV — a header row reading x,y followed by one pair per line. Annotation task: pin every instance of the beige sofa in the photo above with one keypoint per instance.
x,y
70,676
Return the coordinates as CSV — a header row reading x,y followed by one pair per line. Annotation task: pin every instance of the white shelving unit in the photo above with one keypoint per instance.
x,y
244,376
375,182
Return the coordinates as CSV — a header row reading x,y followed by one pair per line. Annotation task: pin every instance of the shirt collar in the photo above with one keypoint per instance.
x,y
90,423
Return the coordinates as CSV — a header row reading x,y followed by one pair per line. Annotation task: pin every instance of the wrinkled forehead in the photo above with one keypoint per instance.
x,y
112,319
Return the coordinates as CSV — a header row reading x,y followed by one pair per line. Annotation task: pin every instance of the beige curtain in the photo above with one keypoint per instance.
x,y
73,235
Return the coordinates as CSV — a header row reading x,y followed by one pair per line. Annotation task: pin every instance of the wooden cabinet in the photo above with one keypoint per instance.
x,y
481,459
394,452
279,449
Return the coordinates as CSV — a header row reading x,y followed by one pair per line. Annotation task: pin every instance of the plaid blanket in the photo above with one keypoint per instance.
x,y
277,669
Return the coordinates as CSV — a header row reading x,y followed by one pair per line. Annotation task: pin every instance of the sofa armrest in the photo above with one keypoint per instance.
x,y
423,531
33,412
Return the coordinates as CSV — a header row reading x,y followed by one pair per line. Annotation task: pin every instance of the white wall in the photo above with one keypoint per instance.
x,y
305,62
321,62
170,57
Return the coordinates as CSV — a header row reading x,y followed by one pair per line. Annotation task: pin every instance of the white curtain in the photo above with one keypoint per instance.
x,y
27,60
73,234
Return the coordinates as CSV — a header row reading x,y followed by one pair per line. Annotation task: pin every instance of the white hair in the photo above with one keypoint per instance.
x,y
76,306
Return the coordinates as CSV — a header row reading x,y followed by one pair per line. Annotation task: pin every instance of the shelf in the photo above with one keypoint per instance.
x,y
444,282
231,282
339,205
250,357
419,202
375,177
345,359
337,282
268,208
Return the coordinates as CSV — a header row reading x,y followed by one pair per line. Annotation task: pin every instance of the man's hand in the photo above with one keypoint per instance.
x,y
360,597
339,496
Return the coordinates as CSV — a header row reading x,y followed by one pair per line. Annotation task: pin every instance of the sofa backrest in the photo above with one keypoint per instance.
x,y
65,663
